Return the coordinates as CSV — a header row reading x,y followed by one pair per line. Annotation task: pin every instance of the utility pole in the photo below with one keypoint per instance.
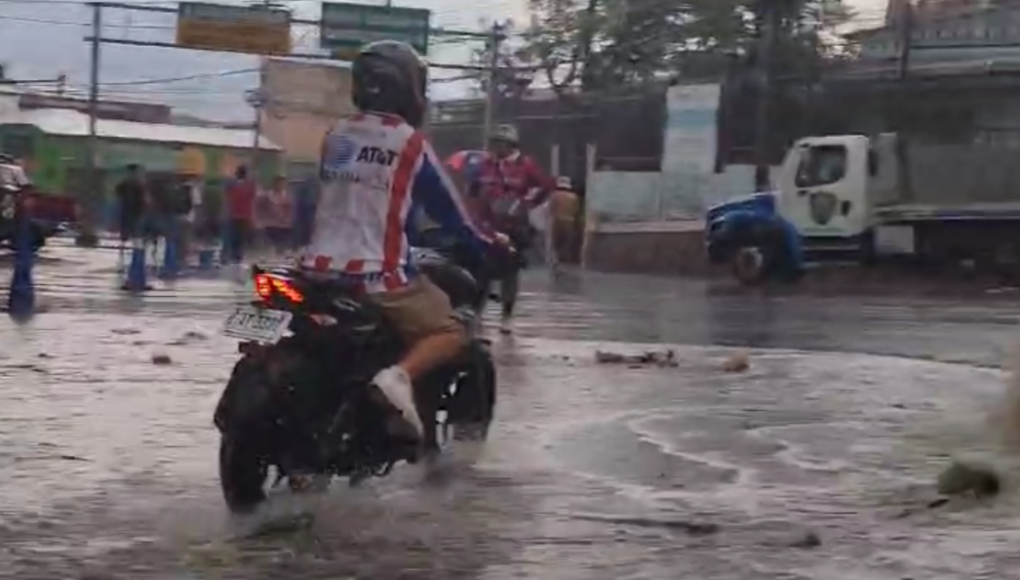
x,y
771,20
92,192
258,101
492,93
905,33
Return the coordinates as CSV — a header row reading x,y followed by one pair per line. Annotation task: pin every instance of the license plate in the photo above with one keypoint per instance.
x,y
257,324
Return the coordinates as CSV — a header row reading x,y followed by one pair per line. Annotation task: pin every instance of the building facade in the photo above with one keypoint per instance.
x,y
946,30
303,99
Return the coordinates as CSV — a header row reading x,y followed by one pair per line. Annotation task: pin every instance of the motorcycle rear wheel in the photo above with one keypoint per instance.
x,y
243,474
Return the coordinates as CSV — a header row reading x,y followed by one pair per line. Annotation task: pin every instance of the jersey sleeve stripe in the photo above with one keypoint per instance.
x,y
400,192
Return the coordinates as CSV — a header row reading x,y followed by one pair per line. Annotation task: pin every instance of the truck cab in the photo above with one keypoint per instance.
x,y
829,189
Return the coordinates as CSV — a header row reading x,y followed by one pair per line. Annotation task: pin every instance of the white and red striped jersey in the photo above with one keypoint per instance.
x,y
373,169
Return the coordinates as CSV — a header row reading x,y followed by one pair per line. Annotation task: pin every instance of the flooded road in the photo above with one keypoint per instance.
x,y
817,462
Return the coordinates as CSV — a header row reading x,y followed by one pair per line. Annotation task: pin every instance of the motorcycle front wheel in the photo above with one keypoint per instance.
x,y
472,406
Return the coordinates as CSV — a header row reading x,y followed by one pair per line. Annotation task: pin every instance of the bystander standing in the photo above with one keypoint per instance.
x,y
174,206
209,216
240,198
305,201
190,197
564,213
133,202
279,216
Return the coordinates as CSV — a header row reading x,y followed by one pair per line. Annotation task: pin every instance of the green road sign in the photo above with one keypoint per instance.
x,y
347,27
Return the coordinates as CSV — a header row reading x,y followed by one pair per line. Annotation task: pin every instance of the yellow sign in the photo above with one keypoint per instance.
x,y
253,30
191,161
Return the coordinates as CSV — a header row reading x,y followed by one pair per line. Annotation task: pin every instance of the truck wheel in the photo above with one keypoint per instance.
x,y
751,264
867,255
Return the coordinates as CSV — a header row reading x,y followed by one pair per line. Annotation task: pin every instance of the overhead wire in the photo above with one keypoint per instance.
x,y
165,80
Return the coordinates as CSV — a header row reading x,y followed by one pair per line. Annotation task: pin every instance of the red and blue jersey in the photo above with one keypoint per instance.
x,y
374,168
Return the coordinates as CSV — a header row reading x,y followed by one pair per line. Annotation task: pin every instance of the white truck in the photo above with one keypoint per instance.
x,y
864,198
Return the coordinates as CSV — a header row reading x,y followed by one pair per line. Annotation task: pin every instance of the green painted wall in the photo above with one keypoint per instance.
x,y
57,163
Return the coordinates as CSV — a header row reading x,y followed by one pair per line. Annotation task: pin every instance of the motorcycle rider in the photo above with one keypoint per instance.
x,y
508,185
375,165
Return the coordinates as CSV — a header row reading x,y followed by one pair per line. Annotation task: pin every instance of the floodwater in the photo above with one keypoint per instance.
x,y
817,462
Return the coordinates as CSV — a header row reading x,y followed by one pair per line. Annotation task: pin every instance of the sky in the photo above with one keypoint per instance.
x,y
45,38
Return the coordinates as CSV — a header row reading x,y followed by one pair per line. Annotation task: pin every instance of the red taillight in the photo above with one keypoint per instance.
x,y
266,284
263,286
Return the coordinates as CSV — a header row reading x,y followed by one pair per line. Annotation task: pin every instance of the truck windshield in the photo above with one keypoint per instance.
x,y
822,165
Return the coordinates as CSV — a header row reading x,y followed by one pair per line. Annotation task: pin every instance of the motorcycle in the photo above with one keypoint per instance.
x,y
298,399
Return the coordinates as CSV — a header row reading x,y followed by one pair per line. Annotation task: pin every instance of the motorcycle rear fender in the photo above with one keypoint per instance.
x,y
242,396
249,397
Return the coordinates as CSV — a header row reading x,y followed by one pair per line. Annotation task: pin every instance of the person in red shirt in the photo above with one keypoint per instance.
x,y
507,185
279,220
240,194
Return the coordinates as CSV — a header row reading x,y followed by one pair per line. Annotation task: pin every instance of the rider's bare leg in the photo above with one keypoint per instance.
x,y
431,352
423,315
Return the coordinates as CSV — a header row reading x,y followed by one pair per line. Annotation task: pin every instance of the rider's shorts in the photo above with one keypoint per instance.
x,y
418,310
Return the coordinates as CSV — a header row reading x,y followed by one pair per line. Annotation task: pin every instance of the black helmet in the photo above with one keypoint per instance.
x,y
390,77
6,157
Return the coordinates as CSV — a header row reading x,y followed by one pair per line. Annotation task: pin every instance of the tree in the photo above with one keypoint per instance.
x,y
600,44
515,66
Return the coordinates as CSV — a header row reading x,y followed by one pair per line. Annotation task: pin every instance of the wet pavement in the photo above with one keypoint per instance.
x,y
816,463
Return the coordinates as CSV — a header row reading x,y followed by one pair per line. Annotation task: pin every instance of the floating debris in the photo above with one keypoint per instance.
x,y
189,337
979,481
808,539
738,363
161,359
664,358
679,525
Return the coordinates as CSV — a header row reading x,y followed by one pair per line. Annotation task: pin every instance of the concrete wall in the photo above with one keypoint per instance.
x,y
641,197
653,222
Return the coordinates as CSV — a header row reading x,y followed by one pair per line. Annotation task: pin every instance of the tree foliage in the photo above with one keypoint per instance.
x,y
515,67
601,44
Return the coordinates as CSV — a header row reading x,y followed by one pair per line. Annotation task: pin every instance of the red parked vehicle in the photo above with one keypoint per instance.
x,y
50,214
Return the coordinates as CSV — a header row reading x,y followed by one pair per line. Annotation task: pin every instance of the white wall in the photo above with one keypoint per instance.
x,y
8,103
653,197
687,185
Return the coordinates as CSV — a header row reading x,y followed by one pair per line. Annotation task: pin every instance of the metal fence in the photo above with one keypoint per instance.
x,y
625,130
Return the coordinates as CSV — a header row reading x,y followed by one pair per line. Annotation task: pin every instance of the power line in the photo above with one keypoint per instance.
x,y
82,24
41,20
158,81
